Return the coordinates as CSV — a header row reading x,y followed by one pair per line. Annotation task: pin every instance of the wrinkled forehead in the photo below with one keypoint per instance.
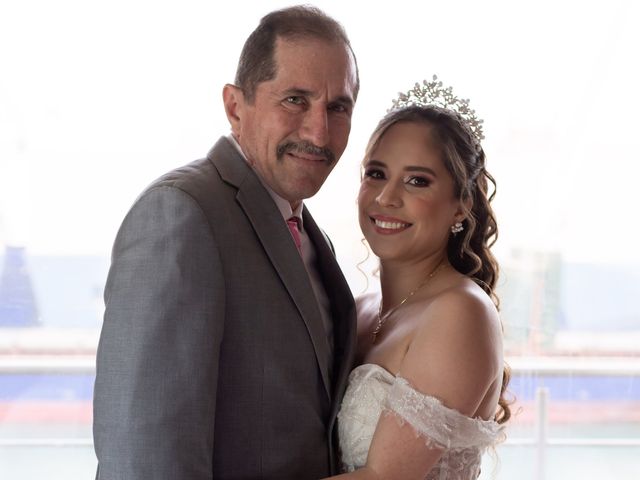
x,y
324,63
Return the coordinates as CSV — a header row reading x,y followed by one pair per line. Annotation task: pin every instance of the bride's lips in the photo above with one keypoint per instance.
x,y
388,225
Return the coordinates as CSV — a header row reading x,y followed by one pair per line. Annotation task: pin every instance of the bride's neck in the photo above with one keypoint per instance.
x,y
397,280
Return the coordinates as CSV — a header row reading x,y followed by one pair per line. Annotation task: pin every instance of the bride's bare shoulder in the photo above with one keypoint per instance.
x,y
464,315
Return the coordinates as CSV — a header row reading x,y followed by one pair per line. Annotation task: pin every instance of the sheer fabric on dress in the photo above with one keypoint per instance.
x,y
373,391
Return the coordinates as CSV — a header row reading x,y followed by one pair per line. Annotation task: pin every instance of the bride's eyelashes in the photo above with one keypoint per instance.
x,y
418,181
374,173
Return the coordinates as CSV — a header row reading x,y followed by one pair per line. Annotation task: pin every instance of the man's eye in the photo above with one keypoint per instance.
x,y
418,181
338,108
295,100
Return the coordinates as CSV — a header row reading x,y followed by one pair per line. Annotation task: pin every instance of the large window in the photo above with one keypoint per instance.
x,y
98,99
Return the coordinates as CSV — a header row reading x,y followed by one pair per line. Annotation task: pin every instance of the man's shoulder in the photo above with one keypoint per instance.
x,y
187,176
201,176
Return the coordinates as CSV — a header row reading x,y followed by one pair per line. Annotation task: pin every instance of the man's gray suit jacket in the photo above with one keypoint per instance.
x,y
213,361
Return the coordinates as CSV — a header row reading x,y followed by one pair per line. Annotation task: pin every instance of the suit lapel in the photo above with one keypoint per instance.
x,y
343,312
276,240
342,305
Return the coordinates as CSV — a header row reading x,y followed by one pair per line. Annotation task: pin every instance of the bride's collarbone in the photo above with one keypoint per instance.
x,y
390,347
402,325
395,336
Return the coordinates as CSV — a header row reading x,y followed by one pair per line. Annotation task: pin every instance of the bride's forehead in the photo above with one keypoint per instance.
x,y
408,142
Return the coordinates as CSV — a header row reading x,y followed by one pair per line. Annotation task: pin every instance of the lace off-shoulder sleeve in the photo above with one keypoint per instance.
x,y
440,425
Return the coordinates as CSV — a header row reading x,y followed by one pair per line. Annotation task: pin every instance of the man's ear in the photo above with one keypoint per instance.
x,y
233,100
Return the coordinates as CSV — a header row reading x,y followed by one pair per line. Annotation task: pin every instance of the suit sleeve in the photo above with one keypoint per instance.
x,y
157,362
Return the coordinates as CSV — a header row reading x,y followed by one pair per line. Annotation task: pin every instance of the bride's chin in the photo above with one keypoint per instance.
x,y
383,253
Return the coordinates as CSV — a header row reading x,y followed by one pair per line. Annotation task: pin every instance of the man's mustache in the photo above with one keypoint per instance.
x,y
305,147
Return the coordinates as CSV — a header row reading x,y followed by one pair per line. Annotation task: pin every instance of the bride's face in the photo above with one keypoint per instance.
x,y
406,202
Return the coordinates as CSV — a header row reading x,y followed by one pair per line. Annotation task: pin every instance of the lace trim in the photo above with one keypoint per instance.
x,y
441,426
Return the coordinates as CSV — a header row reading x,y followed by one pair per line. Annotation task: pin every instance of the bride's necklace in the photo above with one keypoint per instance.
x,y
382,319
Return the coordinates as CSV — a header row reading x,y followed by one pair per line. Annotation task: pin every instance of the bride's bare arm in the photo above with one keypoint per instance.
x,y
396,452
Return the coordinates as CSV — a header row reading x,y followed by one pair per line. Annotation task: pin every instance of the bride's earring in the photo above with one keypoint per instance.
x,y
457,228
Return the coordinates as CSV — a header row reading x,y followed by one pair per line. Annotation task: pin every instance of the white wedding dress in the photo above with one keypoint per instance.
x,y
373,389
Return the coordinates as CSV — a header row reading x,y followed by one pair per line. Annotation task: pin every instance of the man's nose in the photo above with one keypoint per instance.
x,y
315,126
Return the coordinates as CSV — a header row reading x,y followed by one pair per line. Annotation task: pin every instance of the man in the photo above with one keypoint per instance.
x,y
229,329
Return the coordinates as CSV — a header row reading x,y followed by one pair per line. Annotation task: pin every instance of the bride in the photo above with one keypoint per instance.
x,y
428,396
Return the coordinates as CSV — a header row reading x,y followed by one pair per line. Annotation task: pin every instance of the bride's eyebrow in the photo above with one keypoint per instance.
x,y
415,168
409,168
375,163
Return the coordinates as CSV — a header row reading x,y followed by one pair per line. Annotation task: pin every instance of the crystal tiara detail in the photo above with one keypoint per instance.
x,y
433,93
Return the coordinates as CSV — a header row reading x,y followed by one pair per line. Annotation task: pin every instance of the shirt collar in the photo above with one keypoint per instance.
x,y
283,205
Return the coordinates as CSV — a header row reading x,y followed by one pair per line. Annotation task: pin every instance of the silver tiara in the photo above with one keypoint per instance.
x,y
433,93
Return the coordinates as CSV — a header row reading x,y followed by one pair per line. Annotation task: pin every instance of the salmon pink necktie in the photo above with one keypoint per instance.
x,y
294,227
